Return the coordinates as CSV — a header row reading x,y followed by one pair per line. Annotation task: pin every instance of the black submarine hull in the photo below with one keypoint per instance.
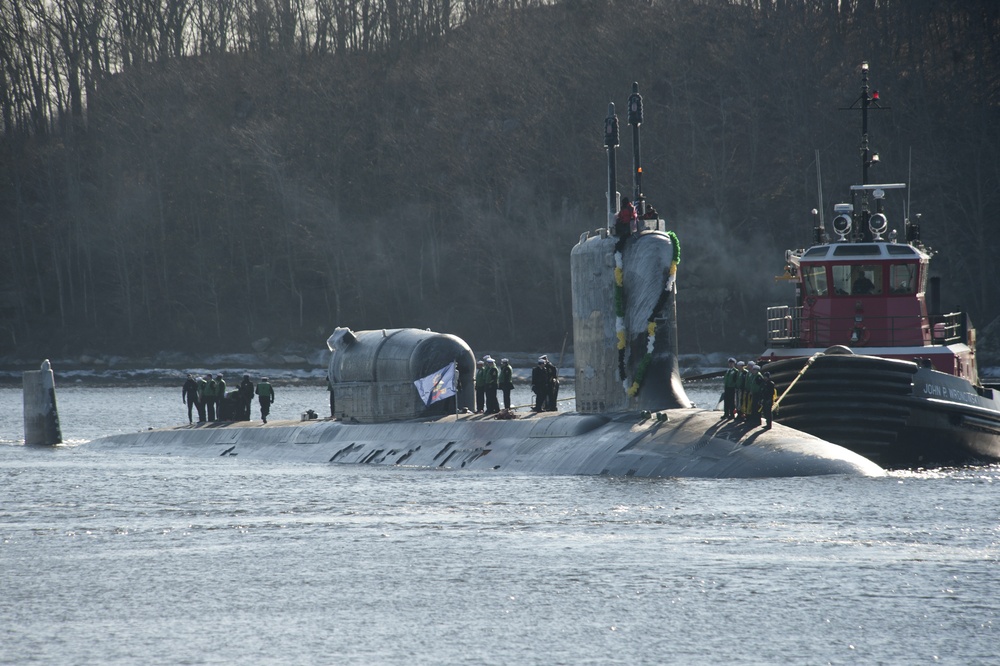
x,y
678,443
895,413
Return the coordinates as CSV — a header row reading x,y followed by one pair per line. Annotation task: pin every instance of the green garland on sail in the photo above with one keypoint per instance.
x,y
647,359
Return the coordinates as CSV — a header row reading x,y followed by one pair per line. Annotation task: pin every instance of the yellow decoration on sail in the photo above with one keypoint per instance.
x,y
618,276
632,390
621,339
651,329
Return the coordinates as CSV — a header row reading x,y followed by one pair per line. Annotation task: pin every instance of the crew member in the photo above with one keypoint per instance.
x,y
539,385
221,408
768,395
625,222
553,385
202,388
480,381
189,394
209,395
265,397
862,285
755,386
333,406
741,383
729,390
506,381
246,397
492,376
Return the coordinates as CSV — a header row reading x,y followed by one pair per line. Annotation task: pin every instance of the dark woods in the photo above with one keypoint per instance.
x,y
196,175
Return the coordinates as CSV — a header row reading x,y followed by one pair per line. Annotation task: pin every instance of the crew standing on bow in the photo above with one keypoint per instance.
x,y
492,377
729,390
202,389
221,408
209,395
246,390
189,394
552,372
741,383
506,381
768,395
480,381
333,398
540,385
755,385
265,398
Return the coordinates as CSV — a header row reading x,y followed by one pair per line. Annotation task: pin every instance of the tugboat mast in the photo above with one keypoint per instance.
x,y
868,99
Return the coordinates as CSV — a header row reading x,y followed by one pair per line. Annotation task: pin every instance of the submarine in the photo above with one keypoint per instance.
x,y
405,397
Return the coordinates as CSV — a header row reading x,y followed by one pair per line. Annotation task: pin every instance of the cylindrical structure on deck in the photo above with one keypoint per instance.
x,y
373,373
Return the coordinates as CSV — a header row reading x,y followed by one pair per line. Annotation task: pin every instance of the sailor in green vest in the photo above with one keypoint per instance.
x,y
755,384
741,393
729,390
492,377
265,396
506,381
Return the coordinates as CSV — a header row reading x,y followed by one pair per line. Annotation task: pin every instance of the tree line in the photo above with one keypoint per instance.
x,y
195,174
55,53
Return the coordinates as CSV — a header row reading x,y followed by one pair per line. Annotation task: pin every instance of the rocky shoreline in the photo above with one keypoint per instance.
x,y
290,367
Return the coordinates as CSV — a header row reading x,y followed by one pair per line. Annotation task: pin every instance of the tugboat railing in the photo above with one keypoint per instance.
x,y
787,327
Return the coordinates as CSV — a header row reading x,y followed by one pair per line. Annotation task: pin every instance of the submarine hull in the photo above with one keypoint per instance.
x,y
687,443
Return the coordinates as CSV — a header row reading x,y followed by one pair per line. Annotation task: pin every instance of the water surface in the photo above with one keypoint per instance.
x,y
124,559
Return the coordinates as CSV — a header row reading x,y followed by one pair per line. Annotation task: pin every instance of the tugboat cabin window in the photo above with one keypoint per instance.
x,y
903,278
857,280
857,250
814,278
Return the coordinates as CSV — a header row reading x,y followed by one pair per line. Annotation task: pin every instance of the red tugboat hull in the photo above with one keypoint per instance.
x,y
893,412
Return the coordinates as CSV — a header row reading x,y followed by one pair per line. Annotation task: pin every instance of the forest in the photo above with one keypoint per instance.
x,y
203,174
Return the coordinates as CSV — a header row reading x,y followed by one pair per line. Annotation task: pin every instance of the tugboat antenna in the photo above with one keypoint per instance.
x,y
909,183
819,191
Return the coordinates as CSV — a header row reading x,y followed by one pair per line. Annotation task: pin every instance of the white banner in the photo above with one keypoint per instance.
x,y
437,386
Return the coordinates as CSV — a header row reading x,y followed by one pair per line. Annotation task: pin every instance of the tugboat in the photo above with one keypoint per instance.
x,y
866,358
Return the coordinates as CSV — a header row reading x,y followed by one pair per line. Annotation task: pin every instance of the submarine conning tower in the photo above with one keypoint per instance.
x,y
624,300
372,373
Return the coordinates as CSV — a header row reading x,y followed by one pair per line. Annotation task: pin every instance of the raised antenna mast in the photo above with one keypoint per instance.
x,y
635,119
611,143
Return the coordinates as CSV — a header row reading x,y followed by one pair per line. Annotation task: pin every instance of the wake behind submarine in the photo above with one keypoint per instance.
x,y
633,418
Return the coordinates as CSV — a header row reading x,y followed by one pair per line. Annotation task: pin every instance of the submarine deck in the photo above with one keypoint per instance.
x,y
681,443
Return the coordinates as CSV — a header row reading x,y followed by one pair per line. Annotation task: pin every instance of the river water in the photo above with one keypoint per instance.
x,y
128,559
